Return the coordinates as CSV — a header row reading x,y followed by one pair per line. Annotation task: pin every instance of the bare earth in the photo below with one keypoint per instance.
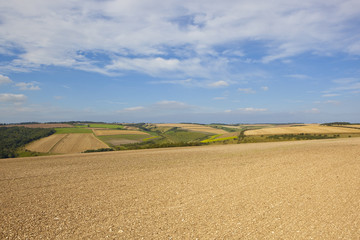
x,y
286,190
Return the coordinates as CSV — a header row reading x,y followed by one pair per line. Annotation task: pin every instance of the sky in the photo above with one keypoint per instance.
x,y
229,61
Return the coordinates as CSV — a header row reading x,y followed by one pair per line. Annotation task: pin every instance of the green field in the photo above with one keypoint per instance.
x,y
123,136
101,125
116,140
72,130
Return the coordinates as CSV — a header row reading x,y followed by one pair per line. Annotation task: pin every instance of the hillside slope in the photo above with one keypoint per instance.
x,y
286,190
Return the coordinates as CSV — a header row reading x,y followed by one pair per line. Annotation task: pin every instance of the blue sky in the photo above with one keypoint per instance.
x,y
200,61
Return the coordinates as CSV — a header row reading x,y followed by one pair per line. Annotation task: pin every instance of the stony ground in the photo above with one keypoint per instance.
x,y
287,190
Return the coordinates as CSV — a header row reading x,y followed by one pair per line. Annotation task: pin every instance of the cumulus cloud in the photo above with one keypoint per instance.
x,y
220,83
160,108
32,86
298,76
12,98
154,37
246,90
5,80
330,95
265,88
133,109
251,110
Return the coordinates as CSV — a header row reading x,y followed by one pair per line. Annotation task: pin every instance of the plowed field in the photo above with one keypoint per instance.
x,y
67,143
312,129
287,190
194,127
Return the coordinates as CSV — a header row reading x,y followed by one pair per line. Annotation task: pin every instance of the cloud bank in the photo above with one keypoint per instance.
x,y
184,39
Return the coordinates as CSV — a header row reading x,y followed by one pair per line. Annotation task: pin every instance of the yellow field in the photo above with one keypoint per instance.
x,y
311,129
67,143
350,126
103,132
45,144
282,190
229,134
193,127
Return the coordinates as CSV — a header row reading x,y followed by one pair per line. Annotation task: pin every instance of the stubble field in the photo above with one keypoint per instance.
x,y
286,190
193,127
310,129
66,143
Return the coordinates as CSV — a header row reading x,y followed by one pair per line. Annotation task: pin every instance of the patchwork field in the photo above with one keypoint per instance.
x,y
104,132
67,143
287,190
122,139
312,129
194,127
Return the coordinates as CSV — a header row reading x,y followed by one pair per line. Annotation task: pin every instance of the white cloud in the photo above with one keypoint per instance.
x,y
343,86
265,88
251,110
170,105
312,110
220,83
131,109
246,90
5,80
12,98
153,37
164,107
345,80
32,86
330,95
298,76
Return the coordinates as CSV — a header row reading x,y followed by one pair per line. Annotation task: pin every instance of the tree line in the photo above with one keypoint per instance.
x,y
12,138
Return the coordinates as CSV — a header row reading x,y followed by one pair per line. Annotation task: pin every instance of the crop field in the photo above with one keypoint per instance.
x,y
40,125
177,136
103,132
312,129
194,127
286,190
111,126
46,144
66,143
116,140
72,130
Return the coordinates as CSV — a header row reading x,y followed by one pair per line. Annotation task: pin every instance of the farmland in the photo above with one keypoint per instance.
x,y
311,129
194,127
72,130
145,135
116,140
279,190
103,132
66,143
